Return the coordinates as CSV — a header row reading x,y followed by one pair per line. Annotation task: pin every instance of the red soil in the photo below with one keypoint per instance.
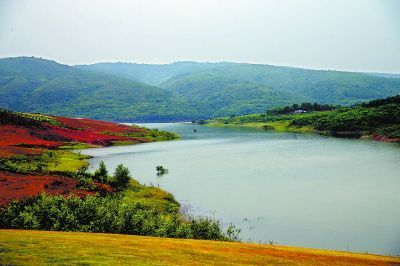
x,y
95,131
103,188
51,136
9,151
96,125
16,139
11,135
17,187
19,139
70,135
385,139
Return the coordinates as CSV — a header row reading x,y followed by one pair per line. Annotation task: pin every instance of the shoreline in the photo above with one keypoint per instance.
x,y
284,127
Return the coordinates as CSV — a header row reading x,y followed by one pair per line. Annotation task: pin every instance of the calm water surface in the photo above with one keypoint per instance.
x,y
293,189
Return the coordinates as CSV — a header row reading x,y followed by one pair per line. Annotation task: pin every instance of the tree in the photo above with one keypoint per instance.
x,y
82,171
122,176
233,233
101,174
161,170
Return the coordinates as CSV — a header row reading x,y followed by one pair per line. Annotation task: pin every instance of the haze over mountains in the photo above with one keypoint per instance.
x,y
178,91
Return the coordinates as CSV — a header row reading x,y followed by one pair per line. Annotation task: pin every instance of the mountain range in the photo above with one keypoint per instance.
x,y
179,91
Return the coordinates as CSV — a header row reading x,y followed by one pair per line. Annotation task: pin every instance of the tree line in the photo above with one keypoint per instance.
x,y
305,106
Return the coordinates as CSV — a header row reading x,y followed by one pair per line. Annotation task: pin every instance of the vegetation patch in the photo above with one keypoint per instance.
x,y
77,146
135,209
378,118
46,162
64,161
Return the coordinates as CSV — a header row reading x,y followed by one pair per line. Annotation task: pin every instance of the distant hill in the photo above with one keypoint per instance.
x,y
147,73
219,95
38,85
214,81
211,89
177,91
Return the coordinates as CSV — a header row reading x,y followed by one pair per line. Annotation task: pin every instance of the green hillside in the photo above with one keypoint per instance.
x,y
178,91
147,73
335,87
38,85
207,87
220,96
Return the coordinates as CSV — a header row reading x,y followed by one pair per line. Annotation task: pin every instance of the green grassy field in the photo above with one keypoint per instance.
x,y
19,247
66,161
279,126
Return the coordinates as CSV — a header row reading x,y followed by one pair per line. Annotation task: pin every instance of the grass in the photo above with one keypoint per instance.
x,y
66,161
124,143
279,126
78,146
19,247
49,161
150,197
283,126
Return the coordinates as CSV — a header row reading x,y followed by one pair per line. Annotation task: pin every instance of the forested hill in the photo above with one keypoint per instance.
x,y
36,85
153,74
176,92
214,80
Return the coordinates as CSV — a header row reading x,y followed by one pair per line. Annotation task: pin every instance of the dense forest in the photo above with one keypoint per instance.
x,y
180,91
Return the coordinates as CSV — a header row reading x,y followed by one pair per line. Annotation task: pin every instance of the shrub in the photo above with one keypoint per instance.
x,y
121,177
111,214
161,170
101,174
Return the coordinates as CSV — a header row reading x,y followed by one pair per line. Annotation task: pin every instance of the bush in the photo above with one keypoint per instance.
x,y
111,214
101,174
161,170
121,177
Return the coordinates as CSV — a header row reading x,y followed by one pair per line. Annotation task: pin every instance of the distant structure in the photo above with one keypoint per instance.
x,y
299,111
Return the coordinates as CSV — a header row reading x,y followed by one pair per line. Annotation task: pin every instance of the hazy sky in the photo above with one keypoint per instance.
x,y
357,35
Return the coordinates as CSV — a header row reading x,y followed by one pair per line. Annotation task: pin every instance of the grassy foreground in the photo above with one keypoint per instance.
x,y
42,247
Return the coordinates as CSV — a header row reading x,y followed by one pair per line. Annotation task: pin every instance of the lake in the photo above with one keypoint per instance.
x,y
293,189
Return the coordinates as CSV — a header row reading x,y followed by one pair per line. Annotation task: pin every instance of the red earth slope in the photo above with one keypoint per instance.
x,y
33,134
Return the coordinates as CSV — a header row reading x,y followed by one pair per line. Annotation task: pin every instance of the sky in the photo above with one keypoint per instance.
x,y
353,35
